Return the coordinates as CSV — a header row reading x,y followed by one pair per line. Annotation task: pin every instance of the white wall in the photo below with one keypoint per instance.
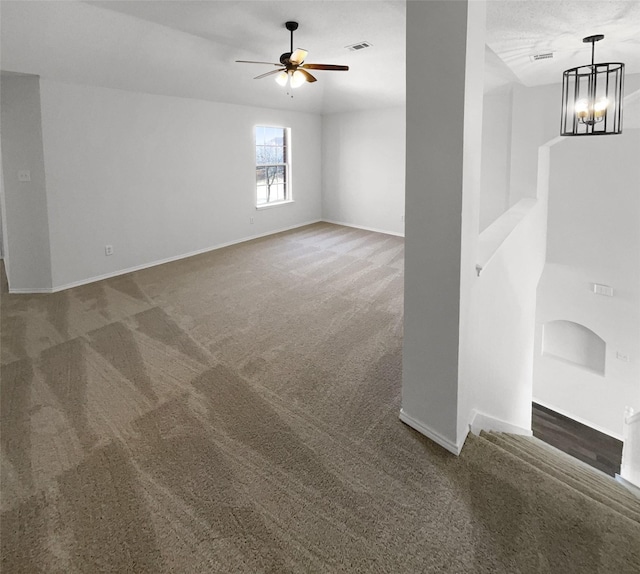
x,y
2,210
469,340
535,120
158,177
499,336
594,237
496,155
28,255
630,467
363,158
444,120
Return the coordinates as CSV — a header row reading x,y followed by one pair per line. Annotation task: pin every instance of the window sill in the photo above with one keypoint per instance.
x,y
274,204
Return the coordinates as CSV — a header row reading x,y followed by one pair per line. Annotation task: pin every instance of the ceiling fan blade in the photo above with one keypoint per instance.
x,y
325,67
252,62
298,56
269,73
307,75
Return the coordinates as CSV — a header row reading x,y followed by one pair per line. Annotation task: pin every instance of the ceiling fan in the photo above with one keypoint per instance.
x,y
292,69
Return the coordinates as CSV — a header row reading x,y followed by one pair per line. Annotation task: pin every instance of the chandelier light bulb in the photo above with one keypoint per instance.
x,y
582,109
600,108
297,79
589,113
282,78
601,104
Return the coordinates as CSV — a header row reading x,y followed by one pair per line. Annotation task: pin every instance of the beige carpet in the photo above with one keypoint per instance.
x,y
238,412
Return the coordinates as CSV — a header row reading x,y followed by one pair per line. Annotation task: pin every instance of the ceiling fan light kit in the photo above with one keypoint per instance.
x,y
592,97
292,69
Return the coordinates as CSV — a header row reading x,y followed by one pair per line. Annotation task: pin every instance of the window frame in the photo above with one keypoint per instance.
x,y
286,164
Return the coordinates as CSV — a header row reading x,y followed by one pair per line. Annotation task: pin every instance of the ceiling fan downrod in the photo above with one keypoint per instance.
x,y
292,27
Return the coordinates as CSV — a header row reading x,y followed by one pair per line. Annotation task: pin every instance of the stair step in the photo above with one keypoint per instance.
x,y
584,483
573,507
575,470
546,461
569,463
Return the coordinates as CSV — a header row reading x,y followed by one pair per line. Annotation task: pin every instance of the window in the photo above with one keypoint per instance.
x,y
272,165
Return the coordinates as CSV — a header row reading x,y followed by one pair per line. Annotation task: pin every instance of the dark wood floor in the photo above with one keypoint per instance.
x,y
597,449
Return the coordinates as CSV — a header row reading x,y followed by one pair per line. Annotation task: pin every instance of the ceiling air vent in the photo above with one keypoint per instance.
x,y
359,46
536,57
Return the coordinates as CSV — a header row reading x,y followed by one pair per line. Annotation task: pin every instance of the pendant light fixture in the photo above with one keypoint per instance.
x,y
592,97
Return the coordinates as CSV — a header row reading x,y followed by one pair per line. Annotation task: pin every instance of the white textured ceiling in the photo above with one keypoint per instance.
x,y
518,29
188,48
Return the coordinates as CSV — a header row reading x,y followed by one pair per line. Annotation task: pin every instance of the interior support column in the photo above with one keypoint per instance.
x,y
445,65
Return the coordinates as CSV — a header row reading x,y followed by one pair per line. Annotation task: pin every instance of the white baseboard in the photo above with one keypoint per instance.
x,y
483,422
30,291
431,434
375,230
157,262
578,419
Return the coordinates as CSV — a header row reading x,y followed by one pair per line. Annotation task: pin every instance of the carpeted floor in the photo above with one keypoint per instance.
x,y
238,412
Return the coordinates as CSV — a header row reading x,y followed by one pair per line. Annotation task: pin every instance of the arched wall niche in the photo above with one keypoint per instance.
x,y
574,343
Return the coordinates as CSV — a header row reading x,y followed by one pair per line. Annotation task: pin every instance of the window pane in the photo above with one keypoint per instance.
x,y
260,135
280,174
260,175
262,194
273,154
266,155
271,174
273,136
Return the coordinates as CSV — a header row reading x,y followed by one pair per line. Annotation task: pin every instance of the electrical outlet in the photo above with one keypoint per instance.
x,y
622,357
251,220
24,175
108,249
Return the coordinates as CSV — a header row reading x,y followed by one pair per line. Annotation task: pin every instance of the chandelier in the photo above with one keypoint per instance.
x,y
592,97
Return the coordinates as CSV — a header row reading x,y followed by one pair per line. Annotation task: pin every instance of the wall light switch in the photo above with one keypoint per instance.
x,y
24,175
108,249
603,290
622,357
